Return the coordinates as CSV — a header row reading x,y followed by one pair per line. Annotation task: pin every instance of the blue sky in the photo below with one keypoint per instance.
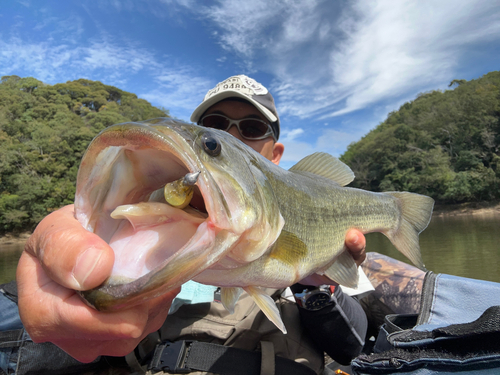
x,y
335,68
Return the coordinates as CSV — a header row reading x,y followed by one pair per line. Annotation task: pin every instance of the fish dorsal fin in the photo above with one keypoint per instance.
x,y
325,165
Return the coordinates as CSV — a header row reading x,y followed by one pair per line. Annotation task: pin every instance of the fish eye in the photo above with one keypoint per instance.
x,y
211,144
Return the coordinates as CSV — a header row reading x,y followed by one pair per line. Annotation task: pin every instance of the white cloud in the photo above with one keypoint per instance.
x,y
329,61
39,59
183,3
113,56
48,61
46,21
325,58
333,138
288,135
334,141
295,151
173,10
330,141
179,90
244,23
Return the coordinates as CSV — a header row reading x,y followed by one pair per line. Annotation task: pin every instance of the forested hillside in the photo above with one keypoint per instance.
x,y
44,131
442,144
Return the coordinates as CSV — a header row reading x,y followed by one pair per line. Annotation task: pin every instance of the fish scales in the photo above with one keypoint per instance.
x,y
249,225
319,213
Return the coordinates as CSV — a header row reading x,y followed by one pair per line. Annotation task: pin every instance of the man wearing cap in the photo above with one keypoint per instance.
x,y
217,342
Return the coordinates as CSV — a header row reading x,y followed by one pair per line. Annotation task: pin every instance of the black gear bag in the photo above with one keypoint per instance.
x,y
456,331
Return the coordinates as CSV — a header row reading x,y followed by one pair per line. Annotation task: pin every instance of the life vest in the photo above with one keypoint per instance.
x,y
247,329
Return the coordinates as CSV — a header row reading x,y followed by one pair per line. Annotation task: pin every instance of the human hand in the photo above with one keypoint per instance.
x,y
355,242
62,256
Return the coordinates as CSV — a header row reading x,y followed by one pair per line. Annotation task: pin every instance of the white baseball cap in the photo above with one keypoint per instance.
x,y
246,88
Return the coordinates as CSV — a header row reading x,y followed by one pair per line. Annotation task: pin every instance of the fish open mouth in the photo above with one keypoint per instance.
x,y
119,198
152,230
135,218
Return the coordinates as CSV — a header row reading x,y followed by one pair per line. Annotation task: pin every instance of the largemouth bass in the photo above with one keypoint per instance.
x,y
249,224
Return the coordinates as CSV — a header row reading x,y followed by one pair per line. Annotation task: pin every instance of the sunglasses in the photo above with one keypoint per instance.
x,y
249,128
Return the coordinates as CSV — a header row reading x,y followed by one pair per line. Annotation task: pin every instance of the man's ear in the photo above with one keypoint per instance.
x,y
278,150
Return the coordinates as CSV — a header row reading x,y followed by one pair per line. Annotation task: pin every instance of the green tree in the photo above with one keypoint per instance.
x,y
442,144
44,131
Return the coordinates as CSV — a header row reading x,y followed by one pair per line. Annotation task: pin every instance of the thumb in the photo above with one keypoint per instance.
x,y
70,255
355,242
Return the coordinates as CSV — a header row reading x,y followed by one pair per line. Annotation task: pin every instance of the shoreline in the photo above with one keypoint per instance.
x,y
14,239
470,208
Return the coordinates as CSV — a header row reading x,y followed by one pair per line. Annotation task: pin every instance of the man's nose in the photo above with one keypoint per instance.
x,y
233,130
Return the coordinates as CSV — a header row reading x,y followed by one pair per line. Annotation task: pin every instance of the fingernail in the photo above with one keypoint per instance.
x,y
85,265
354,238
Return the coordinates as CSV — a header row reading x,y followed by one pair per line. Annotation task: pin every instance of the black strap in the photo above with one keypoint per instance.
x,y
10,290
186,356
11,339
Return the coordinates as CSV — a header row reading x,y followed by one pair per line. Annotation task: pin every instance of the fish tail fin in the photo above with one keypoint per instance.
x,y
416,212
267,305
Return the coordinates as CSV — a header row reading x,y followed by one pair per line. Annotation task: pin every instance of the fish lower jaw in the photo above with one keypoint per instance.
x,y
149,234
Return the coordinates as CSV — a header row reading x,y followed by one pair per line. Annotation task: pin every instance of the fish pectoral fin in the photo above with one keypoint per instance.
x,y
325,165
344,271
267,305
229,297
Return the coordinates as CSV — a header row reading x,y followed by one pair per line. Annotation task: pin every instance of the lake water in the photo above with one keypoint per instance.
x,y
462,245
9,256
